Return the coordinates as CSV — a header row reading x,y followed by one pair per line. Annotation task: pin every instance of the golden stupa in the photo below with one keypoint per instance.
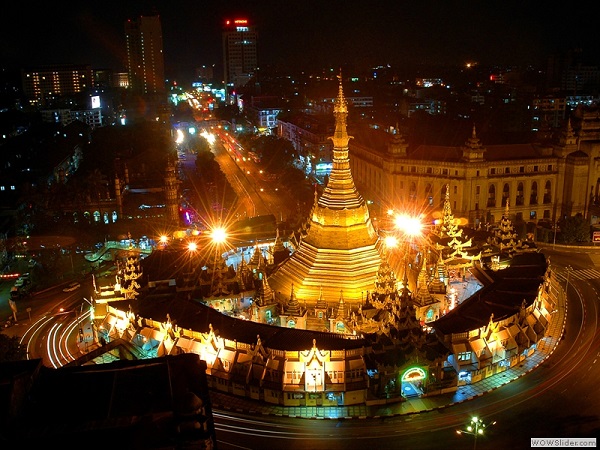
x,y
340,253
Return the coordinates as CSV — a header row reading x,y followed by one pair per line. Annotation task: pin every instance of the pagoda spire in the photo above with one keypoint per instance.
x,y
339,248
340,192
423,296
293,306
473,150
340,112
448,226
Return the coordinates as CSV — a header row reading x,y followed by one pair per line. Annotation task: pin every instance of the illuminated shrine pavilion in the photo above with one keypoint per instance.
x,y
339,255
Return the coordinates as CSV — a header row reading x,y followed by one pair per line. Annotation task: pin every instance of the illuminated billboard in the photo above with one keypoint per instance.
x,y
96,102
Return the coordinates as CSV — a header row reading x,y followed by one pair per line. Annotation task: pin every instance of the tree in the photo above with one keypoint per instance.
x,y
574,229
207,167
199,144
277,154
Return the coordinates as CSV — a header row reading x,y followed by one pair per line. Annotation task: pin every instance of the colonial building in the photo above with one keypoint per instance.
x,y
539,181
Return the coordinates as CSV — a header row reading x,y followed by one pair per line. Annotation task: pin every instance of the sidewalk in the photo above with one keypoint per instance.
x,y
412,405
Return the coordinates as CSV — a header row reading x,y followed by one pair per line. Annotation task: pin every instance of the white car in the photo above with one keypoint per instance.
x,y
72,287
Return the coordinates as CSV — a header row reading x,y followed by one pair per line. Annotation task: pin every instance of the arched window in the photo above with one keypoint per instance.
x,y
533,198
520,200
429,194
114,216
491,202
291,323
412,193
548,192
505,194
105,216
96,216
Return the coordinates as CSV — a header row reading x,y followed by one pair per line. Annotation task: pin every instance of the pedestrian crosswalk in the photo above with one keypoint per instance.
x,y
583,274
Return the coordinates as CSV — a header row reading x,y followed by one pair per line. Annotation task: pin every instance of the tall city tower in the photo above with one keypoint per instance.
x,y
339,256
145,59
240,53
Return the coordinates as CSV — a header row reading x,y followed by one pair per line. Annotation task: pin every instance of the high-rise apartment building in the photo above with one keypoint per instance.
x,y
145,60
240,53
43,85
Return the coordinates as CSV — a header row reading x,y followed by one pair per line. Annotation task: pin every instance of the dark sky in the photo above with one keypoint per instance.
x,y
306,33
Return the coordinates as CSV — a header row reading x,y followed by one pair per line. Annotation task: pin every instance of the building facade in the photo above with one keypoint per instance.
x,y
540,182
43,85
145,59
240,52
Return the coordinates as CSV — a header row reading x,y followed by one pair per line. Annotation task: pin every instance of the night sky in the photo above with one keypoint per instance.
x,y
306,34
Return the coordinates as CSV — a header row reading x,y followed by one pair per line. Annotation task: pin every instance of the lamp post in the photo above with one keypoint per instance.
x,y
569,269
92,319
188,276
555,230
475,428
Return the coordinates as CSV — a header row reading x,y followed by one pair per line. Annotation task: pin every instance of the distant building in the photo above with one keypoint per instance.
x,y
122,79
548,111
91,117
309,134
539,181
43,85
145,60
240,52
263,112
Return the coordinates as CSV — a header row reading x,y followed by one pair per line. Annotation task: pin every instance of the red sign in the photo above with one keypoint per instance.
x,y
596,236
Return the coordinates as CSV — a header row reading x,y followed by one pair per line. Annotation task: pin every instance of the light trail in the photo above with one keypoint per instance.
x,y
32,331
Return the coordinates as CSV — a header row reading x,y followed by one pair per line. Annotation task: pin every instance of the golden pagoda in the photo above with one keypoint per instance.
x,y
340,251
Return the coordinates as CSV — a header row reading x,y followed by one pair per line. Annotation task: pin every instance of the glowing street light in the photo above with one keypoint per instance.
x,y
475,428
163,240
411,226
218,235
391,241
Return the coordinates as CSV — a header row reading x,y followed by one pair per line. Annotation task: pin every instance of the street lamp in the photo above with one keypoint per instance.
x,y
163,240
92,318
475,428
411,226
569,269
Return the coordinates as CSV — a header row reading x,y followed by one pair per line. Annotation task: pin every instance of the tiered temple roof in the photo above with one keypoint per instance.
x,y
506,237
340,250
456,249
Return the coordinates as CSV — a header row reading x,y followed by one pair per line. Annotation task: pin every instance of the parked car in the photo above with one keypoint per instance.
x,y
72,287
